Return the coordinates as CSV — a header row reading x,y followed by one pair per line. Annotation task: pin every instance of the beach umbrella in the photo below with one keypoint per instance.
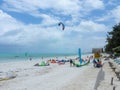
x,y
79,53
61,24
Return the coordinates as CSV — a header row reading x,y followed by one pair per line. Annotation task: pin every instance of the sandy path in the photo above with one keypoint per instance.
x,y
106,83
85,81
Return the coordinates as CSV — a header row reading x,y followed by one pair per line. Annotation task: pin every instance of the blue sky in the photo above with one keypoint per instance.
x,y
32,26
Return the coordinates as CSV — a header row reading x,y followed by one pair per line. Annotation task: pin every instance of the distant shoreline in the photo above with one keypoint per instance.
x,y
22,57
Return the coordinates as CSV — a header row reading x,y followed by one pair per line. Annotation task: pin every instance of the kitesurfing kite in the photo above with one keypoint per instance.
x,y
63,26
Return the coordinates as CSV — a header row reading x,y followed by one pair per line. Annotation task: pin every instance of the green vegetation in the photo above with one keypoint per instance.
x,y
113,40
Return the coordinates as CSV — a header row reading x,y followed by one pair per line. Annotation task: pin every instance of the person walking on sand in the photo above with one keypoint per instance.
x,y
71,62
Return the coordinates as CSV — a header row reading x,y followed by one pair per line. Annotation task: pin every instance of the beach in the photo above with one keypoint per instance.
x,y
55,77
60,45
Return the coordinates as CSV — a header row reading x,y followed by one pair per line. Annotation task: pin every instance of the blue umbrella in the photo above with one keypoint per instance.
x,y
79,53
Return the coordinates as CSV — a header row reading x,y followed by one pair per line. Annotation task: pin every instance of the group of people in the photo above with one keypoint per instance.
x,y
96,62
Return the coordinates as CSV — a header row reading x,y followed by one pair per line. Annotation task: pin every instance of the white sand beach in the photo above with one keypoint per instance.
x,y
56,77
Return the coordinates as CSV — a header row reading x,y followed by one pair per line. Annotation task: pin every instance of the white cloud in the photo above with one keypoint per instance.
x,y
64,6
8,23
90,27
92,4
96,42
93,27
51,37
25,34
38,36
48,20
116,14
15,32
75,8
20,6
112,15
112,2
103,18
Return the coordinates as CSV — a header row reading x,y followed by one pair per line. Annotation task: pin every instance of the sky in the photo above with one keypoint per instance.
x,y
32,25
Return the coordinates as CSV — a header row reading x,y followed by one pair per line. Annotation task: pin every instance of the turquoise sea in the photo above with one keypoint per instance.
x,y
8,57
